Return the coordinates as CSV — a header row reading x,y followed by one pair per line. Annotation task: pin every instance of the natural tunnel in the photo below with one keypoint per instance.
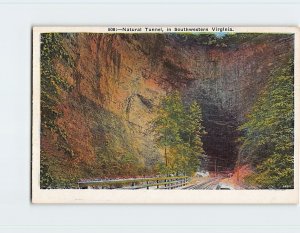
x,y
117,80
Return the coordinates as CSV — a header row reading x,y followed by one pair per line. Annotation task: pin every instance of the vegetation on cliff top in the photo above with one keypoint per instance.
x,y
224,40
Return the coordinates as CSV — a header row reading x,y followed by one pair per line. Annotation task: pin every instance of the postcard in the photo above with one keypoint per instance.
x,y
165,115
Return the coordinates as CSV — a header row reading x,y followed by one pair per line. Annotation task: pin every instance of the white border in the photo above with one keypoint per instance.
x,y
155,196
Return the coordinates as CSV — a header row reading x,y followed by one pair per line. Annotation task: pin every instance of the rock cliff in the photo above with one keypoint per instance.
x,y
118,80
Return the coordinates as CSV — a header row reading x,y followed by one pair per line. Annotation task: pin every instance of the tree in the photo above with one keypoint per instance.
x,y
178,131
268,132
195,130
170,113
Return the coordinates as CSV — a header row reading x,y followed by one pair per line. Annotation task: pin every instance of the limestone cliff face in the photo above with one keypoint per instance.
x,y
118,80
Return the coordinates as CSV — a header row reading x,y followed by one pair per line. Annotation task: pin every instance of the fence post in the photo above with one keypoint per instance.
x,y
157,184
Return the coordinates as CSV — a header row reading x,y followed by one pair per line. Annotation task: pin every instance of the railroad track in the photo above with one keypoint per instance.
x,y
208,185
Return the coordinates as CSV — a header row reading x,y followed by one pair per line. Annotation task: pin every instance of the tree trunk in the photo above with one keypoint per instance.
x,y
166,147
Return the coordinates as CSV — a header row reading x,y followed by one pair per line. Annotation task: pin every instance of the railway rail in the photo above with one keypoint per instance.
x,y
214,183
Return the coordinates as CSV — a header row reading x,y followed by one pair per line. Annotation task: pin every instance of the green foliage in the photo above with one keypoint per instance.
x,y
226,40
114,149
45,177
268,132
171,113
276,172
55,173
118,164
52,85
178,132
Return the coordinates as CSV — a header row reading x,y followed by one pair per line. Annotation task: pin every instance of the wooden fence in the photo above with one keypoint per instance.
x,y
137,183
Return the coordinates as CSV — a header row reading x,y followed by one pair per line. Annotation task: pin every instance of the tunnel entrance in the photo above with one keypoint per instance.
x,y
220,143
220,119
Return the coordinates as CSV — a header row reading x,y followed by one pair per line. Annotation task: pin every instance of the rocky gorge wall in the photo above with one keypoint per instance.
x,y
118,80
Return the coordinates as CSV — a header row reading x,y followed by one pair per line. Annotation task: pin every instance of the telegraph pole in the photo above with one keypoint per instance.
x,y
238,168
216,169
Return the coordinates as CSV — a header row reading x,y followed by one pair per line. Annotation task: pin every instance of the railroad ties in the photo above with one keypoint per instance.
x,y
208,185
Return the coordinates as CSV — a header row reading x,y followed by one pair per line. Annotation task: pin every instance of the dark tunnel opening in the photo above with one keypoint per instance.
x,y
220,142
221,119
